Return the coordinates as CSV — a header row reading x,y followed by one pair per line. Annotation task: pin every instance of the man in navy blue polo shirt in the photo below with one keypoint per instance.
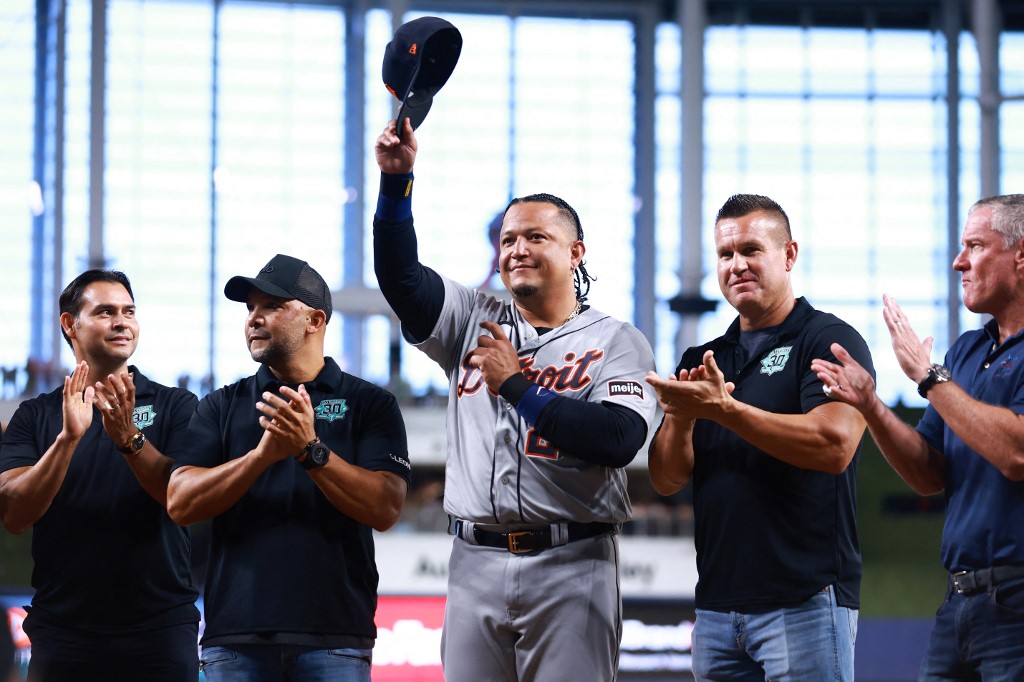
x,y
970,444
113,593
296,465
774,464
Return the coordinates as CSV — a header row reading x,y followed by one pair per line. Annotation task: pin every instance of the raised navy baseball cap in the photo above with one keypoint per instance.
x,y
417,63
284,277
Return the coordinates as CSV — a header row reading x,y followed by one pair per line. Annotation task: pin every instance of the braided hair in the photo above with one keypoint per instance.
x,y
581,278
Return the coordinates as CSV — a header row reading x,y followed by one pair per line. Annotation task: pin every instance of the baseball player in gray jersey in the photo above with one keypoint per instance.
x,y
546,406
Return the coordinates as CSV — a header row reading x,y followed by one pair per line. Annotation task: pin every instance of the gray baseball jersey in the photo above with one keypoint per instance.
x,y
499,469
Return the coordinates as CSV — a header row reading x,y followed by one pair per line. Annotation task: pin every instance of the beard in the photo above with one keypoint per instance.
x,y
275,352
524,291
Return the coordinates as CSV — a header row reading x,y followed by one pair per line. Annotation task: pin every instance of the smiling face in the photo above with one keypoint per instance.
x,y
538,251
275,328
988,270
754,263
105,330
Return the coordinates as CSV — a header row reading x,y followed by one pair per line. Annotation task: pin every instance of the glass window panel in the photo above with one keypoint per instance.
x,y
1011,63
668,58
158,156
1012,134
970,69
840,126
280,136
668,189
838,61
78,81
722,116
20,199
723,59
903,63
557,123
773,60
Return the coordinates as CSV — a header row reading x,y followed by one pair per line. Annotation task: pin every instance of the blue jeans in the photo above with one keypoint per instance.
x,y
811,642
978,636
283,663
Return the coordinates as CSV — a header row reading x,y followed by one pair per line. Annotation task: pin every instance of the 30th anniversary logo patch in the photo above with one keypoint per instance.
x,y
776,360
332,409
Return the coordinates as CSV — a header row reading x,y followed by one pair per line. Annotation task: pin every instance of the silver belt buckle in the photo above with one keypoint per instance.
x,y
956,582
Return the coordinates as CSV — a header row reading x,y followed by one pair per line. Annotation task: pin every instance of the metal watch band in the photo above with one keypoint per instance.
x,y
134,445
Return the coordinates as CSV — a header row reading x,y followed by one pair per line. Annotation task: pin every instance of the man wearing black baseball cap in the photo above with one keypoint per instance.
x,y
296,465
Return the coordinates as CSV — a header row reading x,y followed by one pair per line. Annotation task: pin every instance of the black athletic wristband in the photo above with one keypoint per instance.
x,y
513,388
394,200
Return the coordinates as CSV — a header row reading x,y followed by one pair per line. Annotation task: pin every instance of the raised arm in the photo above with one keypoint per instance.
x,y
906,450
994,432
414,292
396,155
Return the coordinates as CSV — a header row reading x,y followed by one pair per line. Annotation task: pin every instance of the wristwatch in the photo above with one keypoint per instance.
x,y
314,455
937,374
134,445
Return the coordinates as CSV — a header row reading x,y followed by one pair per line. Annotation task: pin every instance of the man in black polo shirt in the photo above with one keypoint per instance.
x,y
113,594
296,465
773,462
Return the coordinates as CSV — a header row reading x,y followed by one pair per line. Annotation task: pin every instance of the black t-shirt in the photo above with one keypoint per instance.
x,y
769,534
107,557
285,565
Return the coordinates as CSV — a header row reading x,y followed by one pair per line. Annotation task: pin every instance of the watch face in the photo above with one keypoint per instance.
x,y
319,454
135,444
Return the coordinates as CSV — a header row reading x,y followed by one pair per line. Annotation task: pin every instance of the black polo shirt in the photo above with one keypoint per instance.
x,y
769,534
107,557
285,565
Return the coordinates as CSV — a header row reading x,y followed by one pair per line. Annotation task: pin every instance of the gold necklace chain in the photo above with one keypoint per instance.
x,y
574,313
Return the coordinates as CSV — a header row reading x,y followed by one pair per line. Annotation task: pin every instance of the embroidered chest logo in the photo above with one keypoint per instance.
x,y
573,375
143,416
1005,367
331,409
776,360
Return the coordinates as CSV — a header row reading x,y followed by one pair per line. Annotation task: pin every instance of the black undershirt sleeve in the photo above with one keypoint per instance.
x,y
414,291
602,433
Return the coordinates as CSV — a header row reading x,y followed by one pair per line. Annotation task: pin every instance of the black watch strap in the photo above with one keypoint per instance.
x,y
937,374
314,455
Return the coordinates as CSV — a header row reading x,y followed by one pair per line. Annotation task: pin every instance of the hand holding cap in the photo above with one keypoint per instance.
x,y
417,63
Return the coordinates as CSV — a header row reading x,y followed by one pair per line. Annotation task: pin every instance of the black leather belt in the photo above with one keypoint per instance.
x,y
979,580
533,539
